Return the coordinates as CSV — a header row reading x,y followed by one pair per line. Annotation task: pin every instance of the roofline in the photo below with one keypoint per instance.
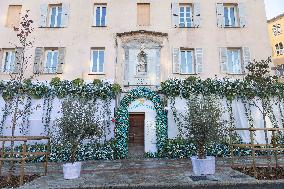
x,y
275,18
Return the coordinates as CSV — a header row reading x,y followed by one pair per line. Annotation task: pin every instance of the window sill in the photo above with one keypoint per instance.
x,y
187,74
50,73
232,27
48,27
236,74
99,26
96,74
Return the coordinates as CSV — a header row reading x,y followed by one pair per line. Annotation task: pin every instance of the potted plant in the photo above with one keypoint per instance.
x,y
203,125
79,121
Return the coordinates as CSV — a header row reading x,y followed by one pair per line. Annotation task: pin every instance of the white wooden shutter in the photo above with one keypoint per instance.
x,y
18,59
176,60
126,68
220,15
43,15
39,58
61,60
198,60
65,14
242,14
197,15
1,59
246,58
175,15
223,59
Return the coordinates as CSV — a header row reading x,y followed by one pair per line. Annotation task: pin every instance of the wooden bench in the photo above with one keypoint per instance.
x,y
23,155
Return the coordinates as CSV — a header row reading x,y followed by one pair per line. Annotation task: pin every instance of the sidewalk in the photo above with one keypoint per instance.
x,y
146,173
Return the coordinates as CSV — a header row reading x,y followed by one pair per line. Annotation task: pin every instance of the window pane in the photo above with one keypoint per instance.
x,y
181,17
232,16
98,16
189,62
95,61
103,21
59,16
226,15
52,18
183,62
6,65
48,60
101,61
55,59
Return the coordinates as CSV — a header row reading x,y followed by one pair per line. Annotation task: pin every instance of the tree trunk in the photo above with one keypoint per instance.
x,y
73,153
201,151
14,123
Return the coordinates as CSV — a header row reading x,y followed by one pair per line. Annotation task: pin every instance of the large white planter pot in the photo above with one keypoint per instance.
x,y
72,170
203,166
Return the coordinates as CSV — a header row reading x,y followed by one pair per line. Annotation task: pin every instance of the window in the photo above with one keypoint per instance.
x,y
97,60
279,49
143,14
55,16
230,15
13,16
51,61
185,16
276,29
187,62
100,15
234,61
8,61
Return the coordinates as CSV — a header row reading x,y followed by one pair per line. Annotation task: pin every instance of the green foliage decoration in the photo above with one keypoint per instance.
x,y
122,120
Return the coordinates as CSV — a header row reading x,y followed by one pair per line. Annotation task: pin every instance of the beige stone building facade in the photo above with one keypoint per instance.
x,y
137,42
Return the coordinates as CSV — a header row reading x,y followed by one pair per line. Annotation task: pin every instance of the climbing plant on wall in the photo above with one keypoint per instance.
x,y
122,120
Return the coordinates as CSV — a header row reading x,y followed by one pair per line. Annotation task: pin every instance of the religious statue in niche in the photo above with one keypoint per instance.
x,y
142,61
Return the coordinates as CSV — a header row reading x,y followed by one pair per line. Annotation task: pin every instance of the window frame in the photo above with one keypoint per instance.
x,y
240,59
51,6
12,65
276,29
99,49
185,5
236,15
279,50
101,6
192,59
49,70
138,18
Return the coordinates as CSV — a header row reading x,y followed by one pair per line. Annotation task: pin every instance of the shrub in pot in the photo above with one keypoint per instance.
x,y
79,121
204,126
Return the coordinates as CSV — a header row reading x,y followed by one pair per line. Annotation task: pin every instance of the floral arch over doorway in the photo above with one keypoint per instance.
x,y
122,120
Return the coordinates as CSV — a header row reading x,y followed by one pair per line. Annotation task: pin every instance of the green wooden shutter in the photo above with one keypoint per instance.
x,y
18,59
242,15
61,60
176,60
220,15
246,58
65,14
198,60
39,58
175,15
43,15
197,15
223,59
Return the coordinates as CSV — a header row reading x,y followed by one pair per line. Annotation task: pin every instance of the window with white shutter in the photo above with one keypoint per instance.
x,y
97,60
55,16
100,12
231,15
51,61
8,60
187,62
234,61
185,16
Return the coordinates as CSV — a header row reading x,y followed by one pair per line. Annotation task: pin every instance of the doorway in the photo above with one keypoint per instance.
x,y
136,135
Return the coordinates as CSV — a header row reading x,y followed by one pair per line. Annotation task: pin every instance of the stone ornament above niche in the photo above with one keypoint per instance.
x,y
136,39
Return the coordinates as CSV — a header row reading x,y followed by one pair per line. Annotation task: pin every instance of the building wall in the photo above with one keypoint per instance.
x,y
79,36
277,59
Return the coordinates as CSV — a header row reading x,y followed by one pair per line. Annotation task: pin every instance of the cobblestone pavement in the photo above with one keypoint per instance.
x,y
145,173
